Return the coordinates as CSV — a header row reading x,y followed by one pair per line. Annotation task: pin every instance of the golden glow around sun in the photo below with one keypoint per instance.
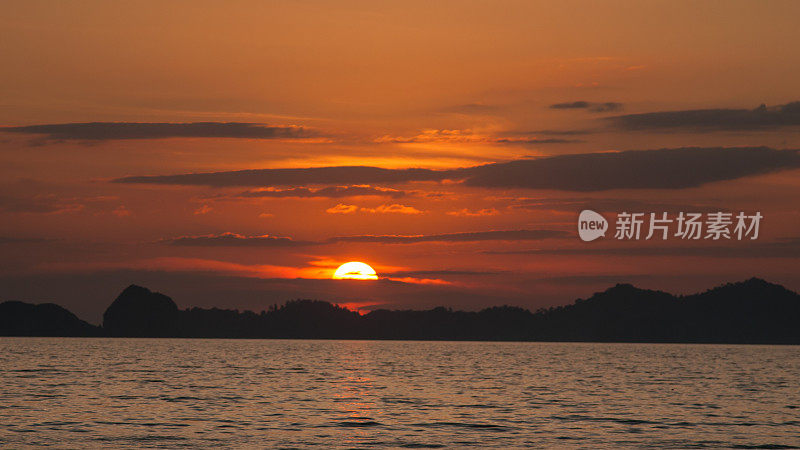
x,y
355,270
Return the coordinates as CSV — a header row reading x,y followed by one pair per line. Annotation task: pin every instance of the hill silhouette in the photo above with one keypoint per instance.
x,y
752,312
46,319
137,312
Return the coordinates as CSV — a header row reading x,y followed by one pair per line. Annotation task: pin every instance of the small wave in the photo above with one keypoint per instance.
x,y
415,445
180,399
400,400
150,438
766,446
486,426
624,421
477,406
352,424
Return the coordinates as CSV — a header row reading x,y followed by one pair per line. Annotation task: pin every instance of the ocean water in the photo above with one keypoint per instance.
x,y
95,393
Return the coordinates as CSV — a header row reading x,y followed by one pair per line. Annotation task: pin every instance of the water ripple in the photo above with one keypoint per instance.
x,y
294,394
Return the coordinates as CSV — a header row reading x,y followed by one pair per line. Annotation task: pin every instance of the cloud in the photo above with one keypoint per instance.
x,y
643,169
15,240
608,205
25,200
341,208
675,168
472,108
781,248
761,118
535,141
476,213
557,132
474,236
597,279
205,209
468,137
339,175
121,211
40,203
446,273
549,132
433,135
327,192
589,106
229,239
97,131
393,209
235,240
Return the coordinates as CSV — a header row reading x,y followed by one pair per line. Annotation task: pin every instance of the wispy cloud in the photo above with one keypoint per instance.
x,y
393,209
41,203
474,236
474,213
782,248
205,209
470,137
596,107
326,192
553,132
230,239
607,205
339,175
446,273
382,209
20,240
341,208
96,131
761,118
235,240
535,141
44,203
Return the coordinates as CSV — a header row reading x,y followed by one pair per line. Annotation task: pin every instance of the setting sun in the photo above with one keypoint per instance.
x,y
355,270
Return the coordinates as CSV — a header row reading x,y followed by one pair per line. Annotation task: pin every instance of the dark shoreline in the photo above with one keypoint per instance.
x,y
747,344
752,312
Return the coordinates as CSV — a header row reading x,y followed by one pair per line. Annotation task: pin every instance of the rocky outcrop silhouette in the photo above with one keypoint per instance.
x,y
751,312
138,312
45,319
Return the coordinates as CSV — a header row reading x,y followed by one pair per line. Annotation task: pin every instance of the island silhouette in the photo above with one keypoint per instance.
x,y
748,312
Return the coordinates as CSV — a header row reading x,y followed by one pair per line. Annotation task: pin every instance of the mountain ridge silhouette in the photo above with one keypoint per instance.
x,y
753,311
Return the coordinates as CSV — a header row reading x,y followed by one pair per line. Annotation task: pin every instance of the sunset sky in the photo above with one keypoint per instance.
x,y
107,109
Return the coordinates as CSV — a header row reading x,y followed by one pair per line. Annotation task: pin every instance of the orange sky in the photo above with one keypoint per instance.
x,y
394,85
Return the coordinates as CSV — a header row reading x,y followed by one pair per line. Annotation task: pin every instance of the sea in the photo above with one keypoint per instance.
x,y
171,393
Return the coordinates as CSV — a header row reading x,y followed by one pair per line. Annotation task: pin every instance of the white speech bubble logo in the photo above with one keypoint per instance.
x,y
591,225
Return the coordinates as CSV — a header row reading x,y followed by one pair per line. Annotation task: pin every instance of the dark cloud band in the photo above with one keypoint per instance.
x,y
761,118
589,106
97,131
501,235
643,169
293,177
648,169
612,205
